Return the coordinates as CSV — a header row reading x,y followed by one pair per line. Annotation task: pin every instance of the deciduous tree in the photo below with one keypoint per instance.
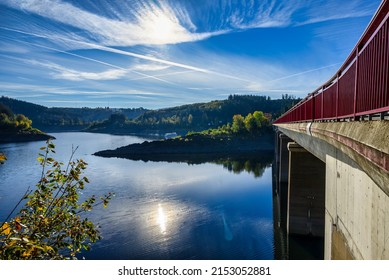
x,y
238,123
250,123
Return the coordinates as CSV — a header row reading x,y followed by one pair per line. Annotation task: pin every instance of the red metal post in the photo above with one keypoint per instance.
x,y
322,103
356,84
337,95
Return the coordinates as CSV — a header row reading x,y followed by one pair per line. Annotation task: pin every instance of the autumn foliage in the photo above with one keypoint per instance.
x,y
51,225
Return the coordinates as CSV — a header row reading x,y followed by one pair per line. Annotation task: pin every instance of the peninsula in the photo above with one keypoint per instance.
x,y
247,135
17,128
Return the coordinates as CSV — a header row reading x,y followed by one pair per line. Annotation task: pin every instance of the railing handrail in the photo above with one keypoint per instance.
x,y
376,24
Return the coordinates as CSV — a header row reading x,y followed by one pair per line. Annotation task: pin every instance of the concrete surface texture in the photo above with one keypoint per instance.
x,y
356,157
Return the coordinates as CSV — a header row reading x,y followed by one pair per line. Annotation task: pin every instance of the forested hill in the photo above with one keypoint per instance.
x,y
189,117
195,117
52,119
219,111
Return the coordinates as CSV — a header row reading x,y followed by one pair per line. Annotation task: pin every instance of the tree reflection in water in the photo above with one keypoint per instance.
x,y
256,166
254,163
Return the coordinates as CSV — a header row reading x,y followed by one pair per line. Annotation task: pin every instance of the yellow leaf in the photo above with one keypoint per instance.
x,y
28,252
48,248
2,157
5,229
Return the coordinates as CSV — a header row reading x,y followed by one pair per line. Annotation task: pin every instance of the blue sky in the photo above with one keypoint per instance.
x,y
155,54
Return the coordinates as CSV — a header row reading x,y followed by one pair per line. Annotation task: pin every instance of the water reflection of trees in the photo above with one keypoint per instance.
x,y
253,165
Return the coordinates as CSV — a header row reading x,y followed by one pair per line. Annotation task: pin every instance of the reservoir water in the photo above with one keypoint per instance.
x,y
161,210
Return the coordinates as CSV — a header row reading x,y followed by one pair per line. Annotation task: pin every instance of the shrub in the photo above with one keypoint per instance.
x,y
50,224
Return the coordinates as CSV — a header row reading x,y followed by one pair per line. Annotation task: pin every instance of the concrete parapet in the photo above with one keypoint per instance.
x,y
366,143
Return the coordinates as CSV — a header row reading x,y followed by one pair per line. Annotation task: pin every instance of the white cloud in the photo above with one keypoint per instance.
x,y
150,67
117,51
273,13
19,90
60,72
198,73
254,87
150,24
73,75
199,88
263,14
158,23
335,10
23,88
99,61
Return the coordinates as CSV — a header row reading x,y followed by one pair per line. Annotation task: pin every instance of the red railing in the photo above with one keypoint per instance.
x,y
360,87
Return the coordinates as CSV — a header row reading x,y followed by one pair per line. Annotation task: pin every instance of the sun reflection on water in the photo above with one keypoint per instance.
x,y
161,219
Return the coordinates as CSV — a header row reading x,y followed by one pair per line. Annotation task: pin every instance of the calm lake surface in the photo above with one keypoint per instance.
x,y
214,210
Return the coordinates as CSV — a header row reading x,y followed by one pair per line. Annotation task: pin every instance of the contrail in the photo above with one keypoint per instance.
x,y
163,61
166,74
167,62
127,53
301,73
80,56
